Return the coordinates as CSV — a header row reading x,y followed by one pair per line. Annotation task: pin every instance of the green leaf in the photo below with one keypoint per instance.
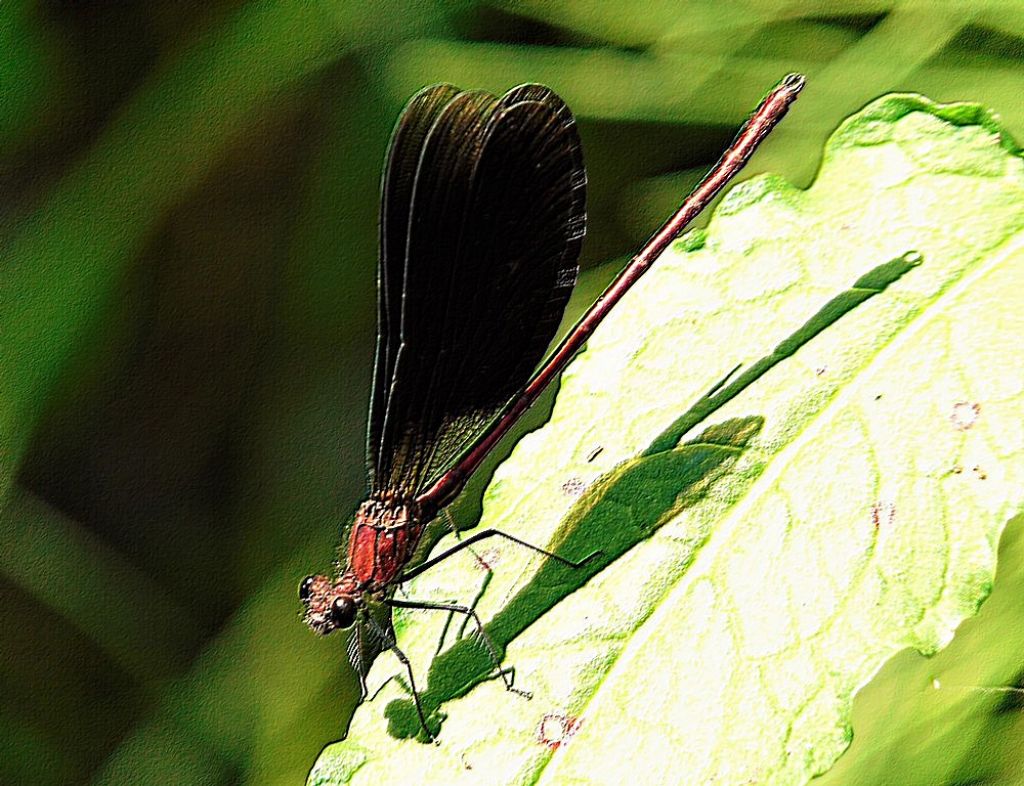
x,y
766,546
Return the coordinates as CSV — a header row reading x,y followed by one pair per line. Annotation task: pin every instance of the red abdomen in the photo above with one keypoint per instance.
x,y
382,541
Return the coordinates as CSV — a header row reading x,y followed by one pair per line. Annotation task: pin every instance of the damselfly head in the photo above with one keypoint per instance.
x,y
330,605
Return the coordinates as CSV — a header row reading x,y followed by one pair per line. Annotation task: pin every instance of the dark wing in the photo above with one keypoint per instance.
x,y
494,216
407,140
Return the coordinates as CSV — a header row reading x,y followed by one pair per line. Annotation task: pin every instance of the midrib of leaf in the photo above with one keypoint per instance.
x,y
919,319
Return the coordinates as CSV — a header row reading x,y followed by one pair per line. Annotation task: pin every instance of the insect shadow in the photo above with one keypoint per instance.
x,y
627,505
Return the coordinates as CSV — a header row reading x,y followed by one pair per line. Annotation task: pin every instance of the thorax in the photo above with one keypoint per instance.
x,y
384,535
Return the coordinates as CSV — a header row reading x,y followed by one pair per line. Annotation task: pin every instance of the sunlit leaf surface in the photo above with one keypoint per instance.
x,y
848,504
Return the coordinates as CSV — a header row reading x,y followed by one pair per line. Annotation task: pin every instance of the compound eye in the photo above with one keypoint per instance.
x,y
306,588
343,612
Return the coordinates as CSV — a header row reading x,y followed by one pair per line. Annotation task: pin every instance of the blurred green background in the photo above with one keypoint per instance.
x,y
188,199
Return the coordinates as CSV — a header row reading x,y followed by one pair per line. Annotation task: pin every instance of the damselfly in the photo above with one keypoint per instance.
x,y
482,218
